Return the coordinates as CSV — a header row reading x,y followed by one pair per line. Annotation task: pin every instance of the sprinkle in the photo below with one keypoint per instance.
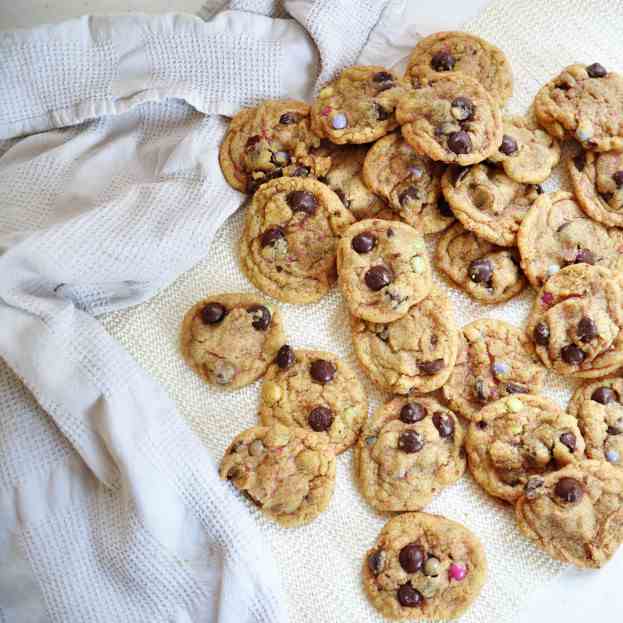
x,y
325,111
552,269
612,456
457,572
500,368
415,171
547,298
417,264
419,245
514,405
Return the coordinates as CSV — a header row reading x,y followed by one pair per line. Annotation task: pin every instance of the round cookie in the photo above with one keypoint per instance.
x,y
315,391
575,514
269,141
598,184
358,106
451,118
289,473
517,437
290,237
465,53
415,353
230,339
488,202
424,567
556,233
527,154
585,103
494,360
576,322
409,182
486,272
383,269
408,452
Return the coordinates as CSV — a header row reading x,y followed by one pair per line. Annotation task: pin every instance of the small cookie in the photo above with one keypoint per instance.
x,y
451,118
576,322
289,473
517,437
556,233
575,514
585,103
290,236
424,567
409,182
488,202
526,153
415,353
317,392
269,141
358,106
494,360
486,272
598,184
599,410
383,269
408,452
230,339
465,53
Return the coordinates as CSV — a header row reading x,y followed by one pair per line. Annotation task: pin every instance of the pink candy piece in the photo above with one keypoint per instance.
x,y
547,298
325,111
457,572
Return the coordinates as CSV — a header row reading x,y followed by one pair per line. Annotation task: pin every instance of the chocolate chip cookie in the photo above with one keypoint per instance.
x,y
463,52
289,473
495,360
517,437
584,102
409,182
415,353
383,269
315,391
358,106
556,233
290,236
576,322
424,567
450,117
598,184
486,272
488,202
576,513
230,339
409,451
269,141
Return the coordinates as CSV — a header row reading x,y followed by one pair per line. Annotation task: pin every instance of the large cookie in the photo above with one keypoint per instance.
x,y
488,202
495,360
450,117
486,272
315,391
230,339
290,236
556,233
586,103
383,269
409,451
468,54
517,437
575,514
409,182
576,322
289,473
415,353
424,567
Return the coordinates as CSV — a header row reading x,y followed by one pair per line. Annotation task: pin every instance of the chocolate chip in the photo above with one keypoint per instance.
x,y
508,146
271,235
288,118
569,490
261,317
302,201
534,487
390,232
252,141
300,172
444,424
322,371
482,425
462,108
364,242
410,441
320,419
563,86
411,193
233,472
431,367
442,61
408,597
587,329
515,388
444,207
580,161
376,562
584,256
412,412
213,313
382,76
378,277
480,271
541,334
604,395
342,195
411,557
459,142
606,196
280,158
285,357
382,114
568,439
539,189
596,71
572,355
339,121
618,178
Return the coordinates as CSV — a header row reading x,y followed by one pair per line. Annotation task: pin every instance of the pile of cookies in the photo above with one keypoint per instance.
x,y
346,190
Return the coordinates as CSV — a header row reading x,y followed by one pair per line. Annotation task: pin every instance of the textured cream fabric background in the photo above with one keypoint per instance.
x,y
321,562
